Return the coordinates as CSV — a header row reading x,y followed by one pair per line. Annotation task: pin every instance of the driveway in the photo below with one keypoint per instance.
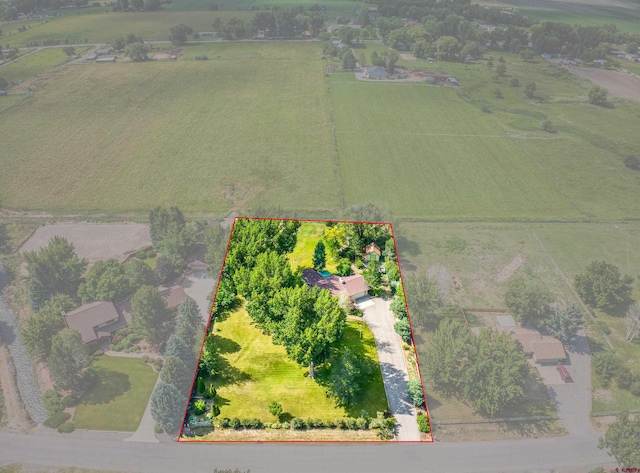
x,y
573,400
198,285
394,369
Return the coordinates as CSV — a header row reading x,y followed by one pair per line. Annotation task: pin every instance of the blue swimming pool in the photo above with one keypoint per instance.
x,y
325,274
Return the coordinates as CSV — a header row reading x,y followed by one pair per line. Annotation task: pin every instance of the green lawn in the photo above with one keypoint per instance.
x,y
120,397
31,65
309,235
256,372
208,136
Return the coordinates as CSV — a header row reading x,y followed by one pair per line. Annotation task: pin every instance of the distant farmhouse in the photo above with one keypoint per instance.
x,y
97,321
375,72
354,286
542,348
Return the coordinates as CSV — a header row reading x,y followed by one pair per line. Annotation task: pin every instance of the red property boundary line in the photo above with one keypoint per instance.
x,y
195,374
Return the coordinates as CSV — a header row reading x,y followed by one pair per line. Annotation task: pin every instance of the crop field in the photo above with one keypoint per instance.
x,y
435,155
32,64
573,18
206,135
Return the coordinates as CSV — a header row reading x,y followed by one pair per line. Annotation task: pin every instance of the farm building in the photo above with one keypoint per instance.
x,y
354,286
375,72
372,252
106,59
91,57
542,348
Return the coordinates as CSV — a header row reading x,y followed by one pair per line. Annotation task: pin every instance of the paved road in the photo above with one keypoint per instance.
x,y
25,376
394,369
538,455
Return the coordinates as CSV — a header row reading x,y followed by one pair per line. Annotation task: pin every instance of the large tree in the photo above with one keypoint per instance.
x,y
189,321
177,373
69,356
170,234
137,51
528,300
564,322
42,326
345,381
601,285
496,374
53,269
139,274
623,440
319,256
210,355
597,95
446,355
423,296
167,406
632,321
179,34
150,317
178,348
215,240
105,281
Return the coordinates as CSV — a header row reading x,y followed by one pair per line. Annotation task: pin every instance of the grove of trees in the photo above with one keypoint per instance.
x,y
601,285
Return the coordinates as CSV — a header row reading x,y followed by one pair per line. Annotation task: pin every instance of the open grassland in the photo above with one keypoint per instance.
x,y
194,5
32,64
104,26
309,235
582,161
255,372
208,136
119,398
429,154
587,19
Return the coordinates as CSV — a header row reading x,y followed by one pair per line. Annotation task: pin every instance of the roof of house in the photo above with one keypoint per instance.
x,y
352,285
549,348
88,316
373,248
376,70
173,296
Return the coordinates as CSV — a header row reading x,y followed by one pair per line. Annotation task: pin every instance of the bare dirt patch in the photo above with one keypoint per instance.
x,y
16,417
622,84
94,241
509,270
408,57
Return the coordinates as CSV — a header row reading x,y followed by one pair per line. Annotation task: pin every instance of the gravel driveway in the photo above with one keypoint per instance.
x,y
394,369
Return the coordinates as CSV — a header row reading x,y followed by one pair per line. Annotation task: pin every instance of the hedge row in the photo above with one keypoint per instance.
x,y
348,423
57,419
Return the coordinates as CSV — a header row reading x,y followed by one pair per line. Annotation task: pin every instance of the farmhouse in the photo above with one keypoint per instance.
x,y
375,72
96,321
542,348
354,286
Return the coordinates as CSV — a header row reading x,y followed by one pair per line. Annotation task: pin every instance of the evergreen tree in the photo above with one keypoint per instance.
x,y
168,406
319,257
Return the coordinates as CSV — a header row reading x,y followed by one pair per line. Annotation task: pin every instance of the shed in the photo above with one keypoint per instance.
x,y
106,59
548,350
372,252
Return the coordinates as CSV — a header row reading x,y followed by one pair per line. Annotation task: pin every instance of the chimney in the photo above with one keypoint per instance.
x,y
342,281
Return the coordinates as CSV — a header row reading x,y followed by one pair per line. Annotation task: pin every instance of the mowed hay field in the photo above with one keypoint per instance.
x,y
430,154
208,136
32,64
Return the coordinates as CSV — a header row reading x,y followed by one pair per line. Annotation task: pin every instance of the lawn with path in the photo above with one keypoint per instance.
x,y
309,234
255,372
118,400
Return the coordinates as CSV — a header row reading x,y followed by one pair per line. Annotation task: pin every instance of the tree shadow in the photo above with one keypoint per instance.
x,y
226,345
110,384
285,417
406,246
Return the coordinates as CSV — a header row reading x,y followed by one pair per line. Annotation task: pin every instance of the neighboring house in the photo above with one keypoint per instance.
x,y
354,286
91,57
375,72
97,321
106,59
372,252
103,52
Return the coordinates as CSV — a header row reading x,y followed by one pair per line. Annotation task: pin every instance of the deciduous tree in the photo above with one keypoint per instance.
x,y
564,322
529,301
69,356
621,439
105,281
150,317
42,326
601,285
179,34
597,95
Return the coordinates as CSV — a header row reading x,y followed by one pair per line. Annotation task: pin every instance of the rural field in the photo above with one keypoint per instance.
x,y
32,64
205,135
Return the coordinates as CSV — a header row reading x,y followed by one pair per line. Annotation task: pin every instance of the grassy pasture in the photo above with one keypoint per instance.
x,y
208,136
579,18
103,27
119,398
256,372
32,64
431,155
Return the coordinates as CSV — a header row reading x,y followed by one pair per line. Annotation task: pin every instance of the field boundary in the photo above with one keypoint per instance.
x,y
495,421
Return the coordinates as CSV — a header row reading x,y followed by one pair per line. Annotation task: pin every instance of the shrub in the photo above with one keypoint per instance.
x,y
415,392
624,377
486,109
340,424
199,407
423,424
285,425
632,162
210,392
157,364
224,423
330,424
403,329
145,358
297,423
200,384
235,423
158,429
56,420
635,388
362,423
514,82
498,94
52,402
67,428
605,364
603,327
246,423
69,401
351,423
359,264
547,126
